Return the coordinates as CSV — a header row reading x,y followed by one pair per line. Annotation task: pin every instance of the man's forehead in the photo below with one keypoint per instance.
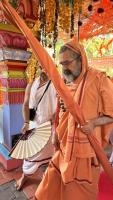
x,y
64,54
63,57
67,55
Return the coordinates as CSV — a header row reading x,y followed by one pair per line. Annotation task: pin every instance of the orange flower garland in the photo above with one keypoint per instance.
x,y
64,17
31,68
50,14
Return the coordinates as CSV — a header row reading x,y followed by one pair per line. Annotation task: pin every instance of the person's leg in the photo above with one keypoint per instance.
x,y
50,186
21,182
29,168
24,178
82,190
32,165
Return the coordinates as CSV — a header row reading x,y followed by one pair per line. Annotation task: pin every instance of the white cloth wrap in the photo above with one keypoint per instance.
x,y
42,157
45,111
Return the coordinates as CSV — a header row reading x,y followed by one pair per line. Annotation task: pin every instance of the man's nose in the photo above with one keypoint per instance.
x,y
64,66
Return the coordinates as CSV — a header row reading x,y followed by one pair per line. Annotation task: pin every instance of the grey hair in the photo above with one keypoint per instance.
x,y
72,53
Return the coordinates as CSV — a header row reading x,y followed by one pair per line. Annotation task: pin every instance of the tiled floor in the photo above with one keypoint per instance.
x,y
29,187
8,191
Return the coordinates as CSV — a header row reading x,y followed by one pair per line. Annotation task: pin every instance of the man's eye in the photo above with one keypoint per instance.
x,y
65,63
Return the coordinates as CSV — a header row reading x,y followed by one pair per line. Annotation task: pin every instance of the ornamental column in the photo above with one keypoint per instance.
x,y
13,63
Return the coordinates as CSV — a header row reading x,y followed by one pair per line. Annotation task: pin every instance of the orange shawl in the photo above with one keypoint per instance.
x,y
63,91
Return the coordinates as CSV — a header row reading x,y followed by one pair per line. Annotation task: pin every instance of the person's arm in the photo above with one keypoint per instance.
x,y
105,90
25,108
89,126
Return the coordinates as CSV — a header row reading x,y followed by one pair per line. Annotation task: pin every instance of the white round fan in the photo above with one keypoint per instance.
x,y
32,142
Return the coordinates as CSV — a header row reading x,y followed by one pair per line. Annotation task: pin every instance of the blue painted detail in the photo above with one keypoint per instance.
x,y
14,54
1,125
16,119
6,125
4,152
12,122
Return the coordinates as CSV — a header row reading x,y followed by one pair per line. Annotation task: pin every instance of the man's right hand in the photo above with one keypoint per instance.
x,y
25,128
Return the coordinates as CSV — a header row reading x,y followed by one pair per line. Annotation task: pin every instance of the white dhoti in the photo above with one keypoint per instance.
x,y
30,166
45,111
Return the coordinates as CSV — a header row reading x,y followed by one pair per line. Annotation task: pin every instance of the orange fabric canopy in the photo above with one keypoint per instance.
x,y
95,23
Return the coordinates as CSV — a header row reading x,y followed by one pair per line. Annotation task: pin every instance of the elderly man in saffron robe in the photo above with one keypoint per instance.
x,y
74,170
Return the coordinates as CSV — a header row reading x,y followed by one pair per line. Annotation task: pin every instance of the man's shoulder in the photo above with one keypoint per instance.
x,y
35,83
36,80
52,87
97,73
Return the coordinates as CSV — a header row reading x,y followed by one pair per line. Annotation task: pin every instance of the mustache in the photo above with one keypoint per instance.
x,y
67,72
42,73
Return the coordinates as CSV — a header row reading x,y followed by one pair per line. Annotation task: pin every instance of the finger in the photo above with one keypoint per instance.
x,y
23,131
84,126
85,130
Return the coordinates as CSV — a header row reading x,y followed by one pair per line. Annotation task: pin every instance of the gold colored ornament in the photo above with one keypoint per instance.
x,y
32,70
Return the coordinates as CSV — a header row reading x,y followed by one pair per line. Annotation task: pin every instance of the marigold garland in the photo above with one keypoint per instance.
x,y
55,16
36,28
50,14
33,66
64,17
32,70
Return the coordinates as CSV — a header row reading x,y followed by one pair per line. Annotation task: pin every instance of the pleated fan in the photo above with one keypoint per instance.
x,y
32,142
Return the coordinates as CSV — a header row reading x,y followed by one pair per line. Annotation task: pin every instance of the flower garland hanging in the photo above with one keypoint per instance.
x,y
64,16
36,28
50,14
55,34
69,10
43,22
32,66
72,20
32,70
54,15
76,7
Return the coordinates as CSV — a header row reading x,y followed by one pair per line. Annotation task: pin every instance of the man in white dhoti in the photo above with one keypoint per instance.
x,y
45,112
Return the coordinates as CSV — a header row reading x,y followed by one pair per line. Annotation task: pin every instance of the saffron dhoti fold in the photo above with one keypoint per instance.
x,y
53,188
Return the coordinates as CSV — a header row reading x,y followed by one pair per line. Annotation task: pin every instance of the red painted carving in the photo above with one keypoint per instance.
x,y
6,40
19,42
28,9
14,40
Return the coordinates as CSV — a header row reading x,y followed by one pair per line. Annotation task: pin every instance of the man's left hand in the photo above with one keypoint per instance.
x,y
88,127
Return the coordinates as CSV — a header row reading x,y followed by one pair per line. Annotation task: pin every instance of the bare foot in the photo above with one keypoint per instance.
x,y
21,182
